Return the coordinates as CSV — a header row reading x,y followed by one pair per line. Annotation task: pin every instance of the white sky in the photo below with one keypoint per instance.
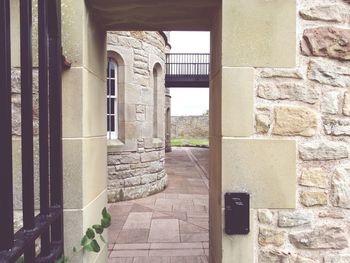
x,y
189,101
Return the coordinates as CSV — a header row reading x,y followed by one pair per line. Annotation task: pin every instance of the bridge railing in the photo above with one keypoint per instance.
x,y
187,64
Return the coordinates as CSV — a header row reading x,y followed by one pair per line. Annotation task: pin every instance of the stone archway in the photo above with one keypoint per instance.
x,y
239,43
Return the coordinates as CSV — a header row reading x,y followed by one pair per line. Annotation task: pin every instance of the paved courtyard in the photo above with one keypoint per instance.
x,y
169,227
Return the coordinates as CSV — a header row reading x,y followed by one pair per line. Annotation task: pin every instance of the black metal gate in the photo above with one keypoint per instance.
x,y
48,225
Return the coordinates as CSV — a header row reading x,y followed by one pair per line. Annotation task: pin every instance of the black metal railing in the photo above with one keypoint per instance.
x,y
187,64
187,70
48,225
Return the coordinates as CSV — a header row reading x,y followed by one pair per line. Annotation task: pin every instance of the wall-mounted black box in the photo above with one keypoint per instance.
x,y
237,213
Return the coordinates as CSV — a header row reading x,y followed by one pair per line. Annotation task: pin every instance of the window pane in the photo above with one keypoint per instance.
x,y
108,111
110,105
112,123
108,123
112,87
108,89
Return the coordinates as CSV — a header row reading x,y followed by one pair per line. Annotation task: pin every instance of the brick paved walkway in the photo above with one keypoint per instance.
x,y
169,227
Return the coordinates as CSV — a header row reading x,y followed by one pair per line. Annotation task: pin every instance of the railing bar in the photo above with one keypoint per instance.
x,y
6,194
27,116
27,123
43,109
43,121
23,238
55,99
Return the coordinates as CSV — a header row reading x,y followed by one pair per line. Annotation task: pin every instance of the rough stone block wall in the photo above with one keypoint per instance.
x,y
136,168
311,104
190,127
16,140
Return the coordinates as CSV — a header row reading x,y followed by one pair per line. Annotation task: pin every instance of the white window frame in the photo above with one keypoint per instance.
x,y
112,135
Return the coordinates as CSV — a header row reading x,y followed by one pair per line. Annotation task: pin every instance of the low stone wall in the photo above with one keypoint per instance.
x,y
134,175
190,126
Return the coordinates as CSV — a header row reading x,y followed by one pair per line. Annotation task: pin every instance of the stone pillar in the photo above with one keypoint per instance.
x,y
84,127
167,121
246,35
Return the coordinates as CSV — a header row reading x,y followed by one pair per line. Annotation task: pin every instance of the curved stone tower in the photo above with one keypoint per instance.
x,y
136,95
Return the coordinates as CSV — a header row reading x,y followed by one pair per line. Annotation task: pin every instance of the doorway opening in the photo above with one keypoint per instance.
x,y
158,188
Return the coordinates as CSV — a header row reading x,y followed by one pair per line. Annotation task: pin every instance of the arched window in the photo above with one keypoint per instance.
x,y
112,99
157,109
155,103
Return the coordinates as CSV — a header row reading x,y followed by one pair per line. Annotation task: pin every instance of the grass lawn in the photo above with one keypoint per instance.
x,y
191,142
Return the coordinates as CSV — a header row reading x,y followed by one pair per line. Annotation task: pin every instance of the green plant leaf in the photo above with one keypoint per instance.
x,y
90,233
98,229
102,238
95,246
105,214
84,240
105,222
62,259
88,247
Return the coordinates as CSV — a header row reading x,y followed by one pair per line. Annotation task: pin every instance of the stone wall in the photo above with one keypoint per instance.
x,y
311,104
16,139
136,159
190,126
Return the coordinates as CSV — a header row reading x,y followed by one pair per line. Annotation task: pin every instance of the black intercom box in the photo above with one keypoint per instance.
x,y
237,213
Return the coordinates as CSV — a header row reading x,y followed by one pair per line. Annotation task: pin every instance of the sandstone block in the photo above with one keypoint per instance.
x,y
134,192
337,258
130,158
115,183
148,178
291,121
309,199
122,167
293,219
263,122
269,236
289,91
282,257
336,126
323,151
132,181
327,41
329,13
346,104
158,186
111,170
322,237
341,187
329,74
155,167
281,73
331,214
330,102
150,156
140,108
113,159
315,177
119,175
266,217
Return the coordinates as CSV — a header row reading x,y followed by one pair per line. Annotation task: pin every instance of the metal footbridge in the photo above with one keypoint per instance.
x,y
187,70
